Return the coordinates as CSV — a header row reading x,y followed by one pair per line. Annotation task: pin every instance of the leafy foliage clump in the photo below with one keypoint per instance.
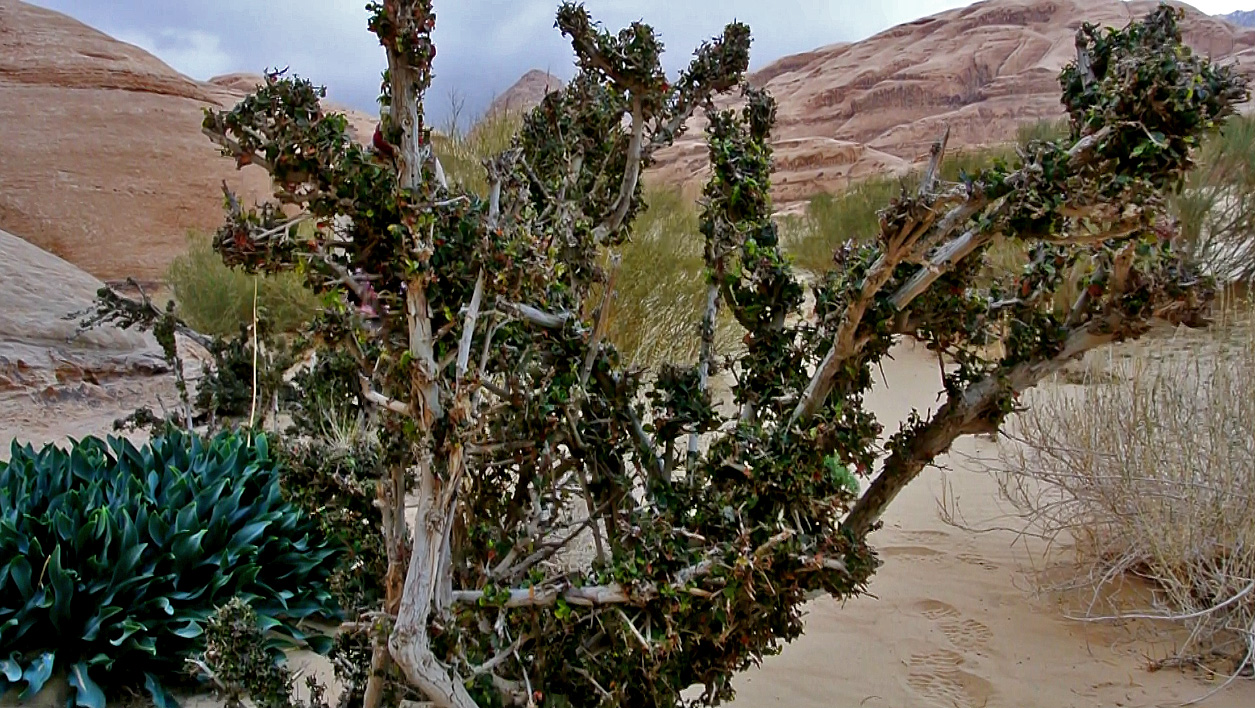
x,y
236,657
561,529
116,556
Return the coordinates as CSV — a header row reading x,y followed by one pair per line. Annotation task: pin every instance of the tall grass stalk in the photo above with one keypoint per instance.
x,y
660,293
462,153
1217,207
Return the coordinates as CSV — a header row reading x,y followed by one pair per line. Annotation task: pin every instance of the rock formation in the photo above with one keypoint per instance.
x,y
1241,18
526,93
848,110
103,162
39,346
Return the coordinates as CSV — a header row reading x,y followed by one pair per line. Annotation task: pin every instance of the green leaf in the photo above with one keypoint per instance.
x,y
89,694
249,533
37,674
320,643
186,520
92,628
129,628
161,697
187,548
191,630
62,581
11,670
20,570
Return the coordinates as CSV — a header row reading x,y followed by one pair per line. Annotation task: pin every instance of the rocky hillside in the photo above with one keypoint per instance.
x,y
525,93
39,346
848,110
1241,18
102,160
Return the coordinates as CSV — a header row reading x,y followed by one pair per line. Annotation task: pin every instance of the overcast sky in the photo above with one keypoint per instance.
x,y
483,46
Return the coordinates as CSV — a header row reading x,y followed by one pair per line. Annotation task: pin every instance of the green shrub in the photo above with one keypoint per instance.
x,y
217,300
117,555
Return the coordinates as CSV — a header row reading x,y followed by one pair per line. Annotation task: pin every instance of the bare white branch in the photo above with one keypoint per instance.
x,y
533,315
631,175
468,327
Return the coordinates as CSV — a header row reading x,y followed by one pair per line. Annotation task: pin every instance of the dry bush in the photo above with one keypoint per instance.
x,y
1153,476
216,300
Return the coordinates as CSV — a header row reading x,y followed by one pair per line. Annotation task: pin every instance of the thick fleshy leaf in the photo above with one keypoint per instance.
x,y
320,643
161,697
88,694
10,669
62,581
92,628
249,533
20,570
191,630
37,674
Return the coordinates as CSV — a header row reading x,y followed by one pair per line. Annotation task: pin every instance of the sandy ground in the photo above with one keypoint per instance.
x,y
956,621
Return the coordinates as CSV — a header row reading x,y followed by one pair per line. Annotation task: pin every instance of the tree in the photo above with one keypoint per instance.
x,y
586,534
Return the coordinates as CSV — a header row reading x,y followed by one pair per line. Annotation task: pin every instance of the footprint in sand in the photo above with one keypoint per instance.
x,y
973,559
923,536
918,552
963,632
939,678
916,545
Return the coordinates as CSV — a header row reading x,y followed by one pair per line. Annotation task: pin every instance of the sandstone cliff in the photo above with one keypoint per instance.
x,y
103,162
39,346
982,70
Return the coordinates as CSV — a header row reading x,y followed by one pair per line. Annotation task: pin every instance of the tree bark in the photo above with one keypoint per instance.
x,y
967,414
409,644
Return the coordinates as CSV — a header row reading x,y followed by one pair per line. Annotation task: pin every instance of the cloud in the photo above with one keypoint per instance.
x,y
483,45
193,52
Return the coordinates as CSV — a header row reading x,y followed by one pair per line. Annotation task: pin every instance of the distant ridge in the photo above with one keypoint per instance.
x,y
1241,18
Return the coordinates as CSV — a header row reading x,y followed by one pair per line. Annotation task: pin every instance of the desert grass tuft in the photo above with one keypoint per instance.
x,y
217,300
1162,491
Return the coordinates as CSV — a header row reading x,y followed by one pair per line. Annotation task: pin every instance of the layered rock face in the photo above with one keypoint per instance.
x,y
982,71
40,345
102,160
